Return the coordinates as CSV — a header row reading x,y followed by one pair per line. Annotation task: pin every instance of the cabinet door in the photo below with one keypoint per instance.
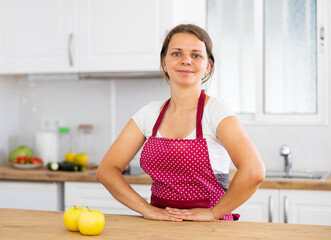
x,y
261,207
120,35
35,36
305,207
31,195
95,195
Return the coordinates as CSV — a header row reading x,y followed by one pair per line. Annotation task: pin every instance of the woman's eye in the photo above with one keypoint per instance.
x,y
196,56
176,54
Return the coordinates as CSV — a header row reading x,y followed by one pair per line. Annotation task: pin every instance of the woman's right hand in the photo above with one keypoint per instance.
x,y
154,213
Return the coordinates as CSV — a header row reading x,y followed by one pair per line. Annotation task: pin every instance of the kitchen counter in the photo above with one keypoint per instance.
x,y
7,172
32,224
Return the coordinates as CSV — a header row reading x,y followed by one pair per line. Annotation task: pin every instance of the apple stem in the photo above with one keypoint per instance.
x,y
75,206
87,208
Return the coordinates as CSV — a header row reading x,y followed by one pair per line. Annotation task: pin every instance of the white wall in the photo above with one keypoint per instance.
x,y
107,105
9,116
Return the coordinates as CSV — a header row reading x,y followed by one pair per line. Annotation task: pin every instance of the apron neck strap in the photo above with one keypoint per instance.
x,y
201,105
159,119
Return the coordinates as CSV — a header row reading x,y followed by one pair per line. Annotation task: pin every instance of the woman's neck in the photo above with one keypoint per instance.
x,y
184,99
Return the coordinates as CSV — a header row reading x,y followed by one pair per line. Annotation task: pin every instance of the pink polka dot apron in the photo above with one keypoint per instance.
x,y
181,170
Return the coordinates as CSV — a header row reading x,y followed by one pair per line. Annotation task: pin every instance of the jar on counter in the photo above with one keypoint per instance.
x,y
85,141
64,142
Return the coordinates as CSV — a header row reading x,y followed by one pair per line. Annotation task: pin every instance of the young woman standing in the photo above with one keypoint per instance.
x,y
191,139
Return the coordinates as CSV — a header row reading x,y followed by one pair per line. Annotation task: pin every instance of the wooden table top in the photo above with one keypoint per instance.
x,y
7,172
33,224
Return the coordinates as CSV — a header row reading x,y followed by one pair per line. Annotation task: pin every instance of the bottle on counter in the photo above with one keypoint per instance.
x,y
47,146
86,142
64,142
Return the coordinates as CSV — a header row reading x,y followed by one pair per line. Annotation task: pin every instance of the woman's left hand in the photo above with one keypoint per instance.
x,y
194,214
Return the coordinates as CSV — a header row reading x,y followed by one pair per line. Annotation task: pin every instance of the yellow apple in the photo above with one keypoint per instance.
x,y
70,157
70,217
91,222
81,159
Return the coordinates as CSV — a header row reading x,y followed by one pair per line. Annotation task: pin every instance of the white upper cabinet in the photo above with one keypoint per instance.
x,y
54,36
35,36
120,35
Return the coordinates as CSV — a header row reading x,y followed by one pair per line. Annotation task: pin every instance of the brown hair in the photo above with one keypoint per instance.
x,y
201,34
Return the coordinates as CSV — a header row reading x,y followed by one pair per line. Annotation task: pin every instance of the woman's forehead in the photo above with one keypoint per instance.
x,y
186,41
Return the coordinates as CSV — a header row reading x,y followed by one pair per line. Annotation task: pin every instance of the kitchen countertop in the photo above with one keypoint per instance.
x,y
32,224
7,172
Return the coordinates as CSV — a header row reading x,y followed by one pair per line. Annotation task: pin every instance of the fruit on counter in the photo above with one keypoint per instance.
x,y
70,157
27,160
20,151
81,159
70,217
91,222
65,166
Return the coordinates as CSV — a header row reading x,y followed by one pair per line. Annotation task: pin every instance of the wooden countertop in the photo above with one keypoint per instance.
x,y
33,224
7,172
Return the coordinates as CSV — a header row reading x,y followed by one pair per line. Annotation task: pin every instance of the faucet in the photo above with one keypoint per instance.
x,y
286,153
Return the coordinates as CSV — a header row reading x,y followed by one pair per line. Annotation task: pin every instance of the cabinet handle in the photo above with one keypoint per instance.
x,y
270,200
71,61
285,209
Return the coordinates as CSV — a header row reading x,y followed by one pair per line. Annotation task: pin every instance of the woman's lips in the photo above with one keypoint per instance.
x,y
184,71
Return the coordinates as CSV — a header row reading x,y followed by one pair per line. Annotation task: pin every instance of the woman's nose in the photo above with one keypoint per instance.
x,y
186,60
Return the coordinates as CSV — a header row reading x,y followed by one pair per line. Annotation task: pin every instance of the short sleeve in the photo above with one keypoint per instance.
x,y
217,111
146,117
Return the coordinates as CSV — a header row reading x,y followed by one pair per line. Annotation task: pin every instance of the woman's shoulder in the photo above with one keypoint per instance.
x,y
215,111
146,116
151,107
219,104
148,112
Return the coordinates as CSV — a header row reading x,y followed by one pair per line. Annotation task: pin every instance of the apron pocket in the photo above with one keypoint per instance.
x,y
183,204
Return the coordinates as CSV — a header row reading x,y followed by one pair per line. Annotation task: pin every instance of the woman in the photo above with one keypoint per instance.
x,y
191,139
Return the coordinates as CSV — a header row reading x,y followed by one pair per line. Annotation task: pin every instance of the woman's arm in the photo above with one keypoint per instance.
x,y
247,179
250,167
109,173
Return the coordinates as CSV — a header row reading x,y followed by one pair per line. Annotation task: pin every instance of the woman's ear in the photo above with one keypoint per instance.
x,y
164,67
208,67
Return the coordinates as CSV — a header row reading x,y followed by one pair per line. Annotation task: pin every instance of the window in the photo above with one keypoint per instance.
x,y
270,58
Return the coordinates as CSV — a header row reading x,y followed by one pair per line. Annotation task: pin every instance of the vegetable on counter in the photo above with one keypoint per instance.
x,y
20,151
65,166
27,160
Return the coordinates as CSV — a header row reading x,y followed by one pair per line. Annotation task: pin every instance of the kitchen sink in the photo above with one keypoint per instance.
x,y
317,176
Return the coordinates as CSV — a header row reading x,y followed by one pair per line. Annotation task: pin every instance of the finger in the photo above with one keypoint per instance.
x,y
162,214
177,210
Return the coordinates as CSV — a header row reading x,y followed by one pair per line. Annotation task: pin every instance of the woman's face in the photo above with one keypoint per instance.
x,y
186,60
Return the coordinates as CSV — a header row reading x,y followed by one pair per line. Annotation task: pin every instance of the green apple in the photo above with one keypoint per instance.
x,y
91,222
70,217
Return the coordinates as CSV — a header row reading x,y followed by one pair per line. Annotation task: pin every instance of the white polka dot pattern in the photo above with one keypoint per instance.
x,y
181,170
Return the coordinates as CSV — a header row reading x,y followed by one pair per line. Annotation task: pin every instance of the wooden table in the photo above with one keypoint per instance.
x,y
32,224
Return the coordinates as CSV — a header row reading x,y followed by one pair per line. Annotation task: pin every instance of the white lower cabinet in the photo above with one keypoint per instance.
x,y
261,207
96,196
305,207
288,206
31,195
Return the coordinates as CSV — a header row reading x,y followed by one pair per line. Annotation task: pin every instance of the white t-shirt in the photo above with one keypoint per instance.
x,y
214,112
